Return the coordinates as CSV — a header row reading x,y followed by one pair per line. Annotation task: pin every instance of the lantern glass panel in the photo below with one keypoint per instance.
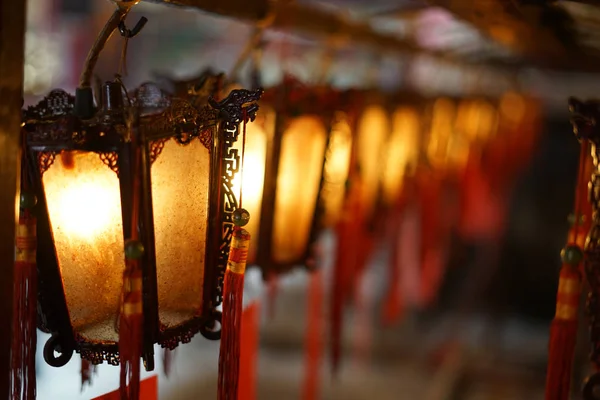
x,y
373,130
253,175
402,151
84,206
442,123
180,194
337,167
300,167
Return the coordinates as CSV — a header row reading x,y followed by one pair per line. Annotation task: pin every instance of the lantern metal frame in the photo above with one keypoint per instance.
x,y
51,127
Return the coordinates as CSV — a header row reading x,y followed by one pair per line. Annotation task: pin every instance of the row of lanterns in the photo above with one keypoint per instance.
x,y
161,178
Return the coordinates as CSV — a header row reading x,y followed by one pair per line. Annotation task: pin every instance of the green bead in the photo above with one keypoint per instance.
x,y
240,217
571,255
134,250
27,200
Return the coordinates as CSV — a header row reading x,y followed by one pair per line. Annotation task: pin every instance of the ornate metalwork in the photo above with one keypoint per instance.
x,y
111,160
585,117
239,106
45,160
156,147
57,104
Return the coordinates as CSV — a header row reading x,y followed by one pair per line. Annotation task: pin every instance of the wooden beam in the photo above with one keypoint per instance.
x,y
526,29
12,45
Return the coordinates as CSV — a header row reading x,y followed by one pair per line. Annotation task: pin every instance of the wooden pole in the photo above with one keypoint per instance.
x,y
12,45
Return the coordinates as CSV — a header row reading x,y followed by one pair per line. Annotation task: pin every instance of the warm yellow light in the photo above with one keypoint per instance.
x,y
300,167
84,205
442,122
252,174
513,108
373,130
337,168
401,151
180,193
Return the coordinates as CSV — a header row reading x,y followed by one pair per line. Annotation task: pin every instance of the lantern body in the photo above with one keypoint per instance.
x,y
336,169
401,151
84,181
298,179
373,131
294,198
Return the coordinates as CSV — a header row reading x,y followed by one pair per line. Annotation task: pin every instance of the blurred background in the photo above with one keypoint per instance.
x,y
486,336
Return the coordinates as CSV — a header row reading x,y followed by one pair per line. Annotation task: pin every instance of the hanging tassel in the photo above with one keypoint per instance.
x,y
563,331
131,312
233,292
167,361
249,351
272,291
25,305
313,338
24,339
87,370
130,324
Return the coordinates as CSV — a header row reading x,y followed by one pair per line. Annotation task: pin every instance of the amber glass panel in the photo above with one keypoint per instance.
x,y
442,127
402,151
373,130
180,193
300,166
337,164
84,205
252,174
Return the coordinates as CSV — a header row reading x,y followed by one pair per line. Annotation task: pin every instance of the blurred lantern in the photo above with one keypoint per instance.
x,y
296,128
443,114
85,173
402,152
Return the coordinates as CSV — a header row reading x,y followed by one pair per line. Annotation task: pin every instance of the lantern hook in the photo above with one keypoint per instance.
x,y
129,33
54,345
209,330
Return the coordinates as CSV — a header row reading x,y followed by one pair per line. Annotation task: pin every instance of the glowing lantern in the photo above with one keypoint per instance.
x,y
402,151
372,132
298,185
83,177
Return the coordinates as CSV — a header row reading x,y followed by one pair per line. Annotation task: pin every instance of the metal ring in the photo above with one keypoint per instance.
x,y
53,345
209,329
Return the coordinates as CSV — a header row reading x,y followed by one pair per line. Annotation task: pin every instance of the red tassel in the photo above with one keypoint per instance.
x,y
167,361
130,331
563,334
272,291
563,331
233,292
25,311
87,370
314,334
249,352
347,253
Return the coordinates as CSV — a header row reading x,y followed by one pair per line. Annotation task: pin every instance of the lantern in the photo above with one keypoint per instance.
x,y
402,151
293,136
82,173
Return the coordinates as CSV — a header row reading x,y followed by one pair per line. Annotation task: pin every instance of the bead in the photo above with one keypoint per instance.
x,y
241,217
571,255
27,200
571,219
134,250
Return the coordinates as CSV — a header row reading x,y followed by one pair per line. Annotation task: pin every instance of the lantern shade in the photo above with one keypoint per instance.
x,y
298,180
401,151
336,169
180,196
373,131
441,130
84,205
